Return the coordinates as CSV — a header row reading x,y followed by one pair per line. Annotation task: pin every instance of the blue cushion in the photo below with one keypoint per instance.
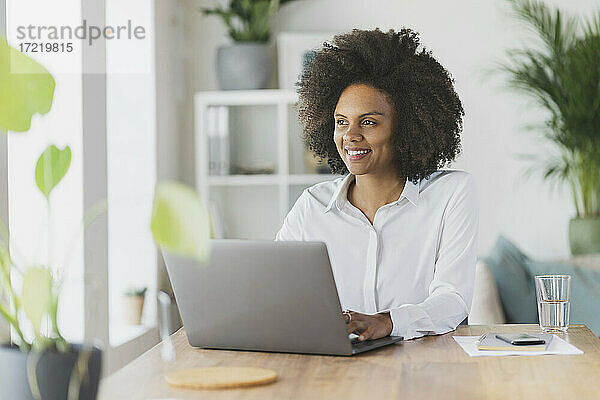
x,y
516,288
514,274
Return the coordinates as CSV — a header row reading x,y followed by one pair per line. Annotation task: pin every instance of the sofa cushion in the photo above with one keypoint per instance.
x,y
485,307
515,285
514,274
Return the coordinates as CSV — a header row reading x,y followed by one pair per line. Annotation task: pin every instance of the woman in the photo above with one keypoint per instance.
x,y
401,233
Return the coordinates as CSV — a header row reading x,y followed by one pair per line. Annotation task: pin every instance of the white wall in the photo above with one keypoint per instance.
x,y
467,37
131,152
131,173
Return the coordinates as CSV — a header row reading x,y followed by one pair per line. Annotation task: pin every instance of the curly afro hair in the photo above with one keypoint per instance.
x,y
428,110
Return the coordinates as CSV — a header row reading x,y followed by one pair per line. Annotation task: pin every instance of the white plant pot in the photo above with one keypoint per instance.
x,y
132,308
244,66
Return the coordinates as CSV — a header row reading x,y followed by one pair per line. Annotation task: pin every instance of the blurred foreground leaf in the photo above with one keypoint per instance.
x,y
26,88
37,295
51,167
180,221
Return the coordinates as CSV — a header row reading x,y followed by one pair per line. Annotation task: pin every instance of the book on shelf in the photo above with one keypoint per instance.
x,y
216,220
218,140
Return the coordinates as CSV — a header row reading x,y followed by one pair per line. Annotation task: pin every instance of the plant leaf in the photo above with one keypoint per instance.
x,y
180,221
52,165
26,88
37,295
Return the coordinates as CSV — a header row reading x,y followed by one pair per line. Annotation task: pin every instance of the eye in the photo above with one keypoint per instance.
x,y
369,122
340,122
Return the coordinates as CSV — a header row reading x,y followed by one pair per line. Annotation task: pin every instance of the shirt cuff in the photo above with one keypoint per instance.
x,y
405,320
413,321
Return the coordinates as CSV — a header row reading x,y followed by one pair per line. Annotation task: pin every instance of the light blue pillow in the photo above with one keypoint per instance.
x,y
516,288
514,274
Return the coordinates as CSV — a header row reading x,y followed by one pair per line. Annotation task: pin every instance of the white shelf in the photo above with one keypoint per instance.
x,y
259,203
121,333
246,97
310,179
270,179
241,180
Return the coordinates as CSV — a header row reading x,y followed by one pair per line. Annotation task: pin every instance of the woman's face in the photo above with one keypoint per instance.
x,y
364,125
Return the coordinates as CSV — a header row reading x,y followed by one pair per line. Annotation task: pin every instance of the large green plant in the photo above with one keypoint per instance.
x,y
27,89
180,221
248,20
562,73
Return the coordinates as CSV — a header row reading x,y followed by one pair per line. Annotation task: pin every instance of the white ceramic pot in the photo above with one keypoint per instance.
x,y
244,66
132,308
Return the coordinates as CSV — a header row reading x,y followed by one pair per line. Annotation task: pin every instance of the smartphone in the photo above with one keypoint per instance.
x,y
521,339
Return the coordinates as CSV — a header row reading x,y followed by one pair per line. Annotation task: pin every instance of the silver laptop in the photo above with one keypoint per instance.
x,y
264,296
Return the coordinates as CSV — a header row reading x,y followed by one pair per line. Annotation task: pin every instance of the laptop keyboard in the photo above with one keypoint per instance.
x,y
357,344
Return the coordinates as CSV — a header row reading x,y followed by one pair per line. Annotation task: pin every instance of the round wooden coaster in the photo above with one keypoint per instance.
x,y
220,377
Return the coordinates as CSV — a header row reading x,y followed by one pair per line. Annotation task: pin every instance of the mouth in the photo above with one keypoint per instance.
x,y
355,154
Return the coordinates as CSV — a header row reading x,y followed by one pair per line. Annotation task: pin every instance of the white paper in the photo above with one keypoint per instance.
x,y
557,346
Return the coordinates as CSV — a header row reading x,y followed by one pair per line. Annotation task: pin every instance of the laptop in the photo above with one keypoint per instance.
x,y
264,296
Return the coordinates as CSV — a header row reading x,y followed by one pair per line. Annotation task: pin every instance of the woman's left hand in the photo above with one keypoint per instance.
x,y
368,326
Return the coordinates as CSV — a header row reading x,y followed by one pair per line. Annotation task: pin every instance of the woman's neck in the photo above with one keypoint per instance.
x,y
370,191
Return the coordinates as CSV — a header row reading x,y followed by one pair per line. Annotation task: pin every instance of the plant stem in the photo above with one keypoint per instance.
x,y
54,316
12,320
13,295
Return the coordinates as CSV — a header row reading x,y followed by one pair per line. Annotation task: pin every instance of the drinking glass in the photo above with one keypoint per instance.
x,y
553,301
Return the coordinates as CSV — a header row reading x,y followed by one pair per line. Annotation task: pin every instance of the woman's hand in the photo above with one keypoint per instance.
x,y
368,326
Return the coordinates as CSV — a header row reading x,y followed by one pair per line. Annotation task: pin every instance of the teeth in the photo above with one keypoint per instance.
x,y
357,152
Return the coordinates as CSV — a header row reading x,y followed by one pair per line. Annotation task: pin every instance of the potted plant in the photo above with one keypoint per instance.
x,y
41,364
562,75
247,63
133,305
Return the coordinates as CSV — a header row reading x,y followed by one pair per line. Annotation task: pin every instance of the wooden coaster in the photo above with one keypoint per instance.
x,y
220,377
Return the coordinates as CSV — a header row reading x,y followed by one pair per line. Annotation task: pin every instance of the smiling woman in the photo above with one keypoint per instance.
x,y
429,118
401,233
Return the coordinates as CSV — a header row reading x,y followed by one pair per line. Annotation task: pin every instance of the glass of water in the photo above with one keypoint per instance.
x,y
553,300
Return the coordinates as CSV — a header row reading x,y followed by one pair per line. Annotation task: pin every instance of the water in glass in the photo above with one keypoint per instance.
x,y
554,315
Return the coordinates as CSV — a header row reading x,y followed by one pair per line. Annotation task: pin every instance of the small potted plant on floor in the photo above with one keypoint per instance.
x,y
247,63
562,75
133,305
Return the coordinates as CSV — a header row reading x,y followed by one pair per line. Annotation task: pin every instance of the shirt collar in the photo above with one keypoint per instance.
x,y
410,192
340,192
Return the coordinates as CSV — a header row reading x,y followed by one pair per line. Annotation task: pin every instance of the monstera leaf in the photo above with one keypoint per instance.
x,y
52,165
180,222
37,295
26,88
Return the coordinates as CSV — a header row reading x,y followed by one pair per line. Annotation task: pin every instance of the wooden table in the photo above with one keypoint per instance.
x,y
432,367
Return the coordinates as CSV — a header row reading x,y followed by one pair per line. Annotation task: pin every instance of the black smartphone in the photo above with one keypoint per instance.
x,y
521,339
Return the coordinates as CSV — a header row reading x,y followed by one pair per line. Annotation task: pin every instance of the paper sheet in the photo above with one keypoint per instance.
x,y
557,346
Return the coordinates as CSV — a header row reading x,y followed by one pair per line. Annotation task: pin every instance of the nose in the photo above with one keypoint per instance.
x,y
353,134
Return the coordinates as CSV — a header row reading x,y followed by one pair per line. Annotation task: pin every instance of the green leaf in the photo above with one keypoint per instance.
x,y
247,20
37,295
180,221
26,88
52,165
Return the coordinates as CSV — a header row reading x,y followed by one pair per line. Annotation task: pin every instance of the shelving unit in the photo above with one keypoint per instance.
x,y
256,119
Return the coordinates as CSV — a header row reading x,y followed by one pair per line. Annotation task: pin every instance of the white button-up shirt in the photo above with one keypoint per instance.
x,y
417,259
